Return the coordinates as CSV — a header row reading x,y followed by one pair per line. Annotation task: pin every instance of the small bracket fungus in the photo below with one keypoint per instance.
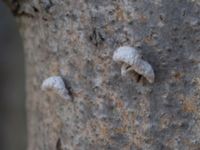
x,y
56,84
132,60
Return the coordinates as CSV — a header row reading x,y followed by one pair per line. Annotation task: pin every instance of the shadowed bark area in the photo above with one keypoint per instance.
x,y
12,84
76,40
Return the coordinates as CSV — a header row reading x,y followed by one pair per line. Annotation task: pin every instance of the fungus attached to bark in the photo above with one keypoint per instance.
x,y
132,60
57,85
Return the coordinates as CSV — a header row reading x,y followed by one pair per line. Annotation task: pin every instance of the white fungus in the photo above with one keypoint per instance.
x,y
132,60
57,85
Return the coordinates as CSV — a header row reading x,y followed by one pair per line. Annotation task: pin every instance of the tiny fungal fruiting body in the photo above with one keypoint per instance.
x,y
57,85
132,60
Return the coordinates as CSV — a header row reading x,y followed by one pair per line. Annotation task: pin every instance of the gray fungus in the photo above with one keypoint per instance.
x,y
57,85
131,59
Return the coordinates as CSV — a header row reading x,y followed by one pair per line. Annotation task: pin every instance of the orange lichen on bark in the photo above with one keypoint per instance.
x,y
189,106
104,131
120,14
54,69
142,19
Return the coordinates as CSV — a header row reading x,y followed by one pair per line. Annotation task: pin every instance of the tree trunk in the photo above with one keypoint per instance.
x,y
76,39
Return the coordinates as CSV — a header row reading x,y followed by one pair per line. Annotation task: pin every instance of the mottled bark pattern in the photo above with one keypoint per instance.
x,y
76,39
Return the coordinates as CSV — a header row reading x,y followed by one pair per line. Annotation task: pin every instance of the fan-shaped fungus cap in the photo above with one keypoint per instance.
x,y
56,84
131,57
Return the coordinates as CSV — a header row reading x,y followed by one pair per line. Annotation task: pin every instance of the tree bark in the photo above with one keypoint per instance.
x,y
76,40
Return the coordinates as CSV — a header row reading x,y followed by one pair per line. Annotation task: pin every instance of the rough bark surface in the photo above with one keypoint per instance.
x,y
76,39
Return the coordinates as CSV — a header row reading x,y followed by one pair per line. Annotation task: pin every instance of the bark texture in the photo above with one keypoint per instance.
x,y
76,40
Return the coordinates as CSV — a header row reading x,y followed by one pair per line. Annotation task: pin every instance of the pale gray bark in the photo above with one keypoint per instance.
x,y
76,40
